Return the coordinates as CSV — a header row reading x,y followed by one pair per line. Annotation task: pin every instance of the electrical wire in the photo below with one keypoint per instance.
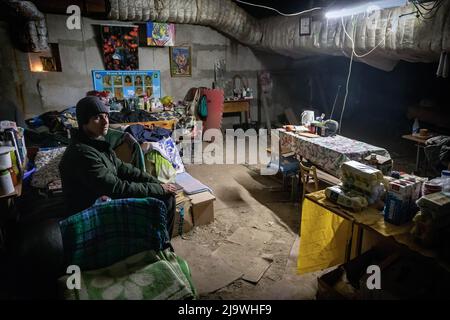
x,y
353,42
280,13
427,12
346,91
335,101
354,54
417,4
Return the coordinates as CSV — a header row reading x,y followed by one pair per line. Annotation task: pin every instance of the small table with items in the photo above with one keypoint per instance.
x,y
331,235
329,153
420,143
238,106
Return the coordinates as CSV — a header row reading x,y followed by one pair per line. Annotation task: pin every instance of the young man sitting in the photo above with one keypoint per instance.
x,y
90,169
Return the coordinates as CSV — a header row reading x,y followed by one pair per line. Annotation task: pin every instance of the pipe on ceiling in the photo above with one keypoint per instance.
x,y
393,34
33,37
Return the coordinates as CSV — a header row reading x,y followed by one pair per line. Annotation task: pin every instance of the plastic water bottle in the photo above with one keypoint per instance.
x,y
445,175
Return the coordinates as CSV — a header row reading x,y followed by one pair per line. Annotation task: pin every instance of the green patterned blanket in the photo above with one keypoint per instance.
x,y
148,275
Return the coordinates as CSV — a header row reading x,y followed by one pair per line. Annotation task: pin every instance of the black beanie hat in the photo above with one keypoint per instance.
x,y
88,107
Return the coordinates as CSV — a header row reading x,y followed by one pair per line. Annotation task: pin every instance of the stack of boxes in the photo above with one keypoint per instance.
x,y
400,205
362,185
432,223
364,179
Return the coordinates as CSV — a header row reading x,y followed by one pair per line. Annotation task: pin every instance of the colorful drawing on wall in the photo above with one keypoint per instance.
x,y
180,61
160,34
127,84
120,47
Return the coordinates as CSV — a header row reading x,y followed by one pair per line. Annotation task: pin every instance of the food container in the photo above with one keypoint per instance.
x,y
5,157
6,183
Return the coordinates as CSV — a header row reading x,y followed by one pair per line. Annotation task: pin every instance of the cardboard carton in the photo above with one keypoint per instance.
x,y
202,208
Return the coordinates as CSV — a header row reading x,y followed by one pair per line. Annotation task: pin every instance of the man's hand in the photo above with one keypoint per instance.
x,y
169,188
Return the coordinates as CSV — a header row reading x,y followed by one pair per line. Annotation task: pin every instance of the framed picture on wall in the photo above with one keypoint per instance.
x,y
180,61
160,34
305,26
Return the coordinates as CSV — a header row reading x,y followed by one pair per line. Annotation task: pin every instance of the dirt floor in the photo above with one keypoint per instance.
x,y
250,251
254,236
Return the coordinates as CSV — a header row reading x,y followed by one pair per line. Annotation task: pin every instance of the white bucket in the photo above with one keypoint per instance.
x,y
6,184
5,157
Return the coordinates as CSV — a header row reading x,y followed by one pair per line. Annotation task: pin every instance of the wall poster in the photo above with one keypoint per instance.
x,y
180,61
128,84
160,34
120,47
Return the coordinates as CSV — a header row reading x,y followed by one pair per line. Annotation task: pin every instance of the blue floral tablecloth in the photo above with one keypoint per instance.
x,y
328,153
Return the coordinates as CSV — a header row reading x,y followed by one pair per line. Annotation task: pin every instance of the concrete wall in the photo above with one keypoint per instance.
x,y
80,53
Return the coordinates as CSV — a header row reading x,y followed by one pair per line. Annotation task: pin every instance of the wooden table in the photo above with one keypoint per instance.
x,y
420,143
238,106
332,235
328,153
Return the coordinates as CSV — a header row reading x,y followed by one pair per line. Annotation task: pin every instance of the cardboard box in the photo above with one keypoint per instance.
x,y
202,208
182,215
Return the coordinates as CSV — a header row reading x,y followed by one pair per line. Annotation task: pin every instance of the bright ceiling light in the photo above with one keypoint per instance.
x,y
366,7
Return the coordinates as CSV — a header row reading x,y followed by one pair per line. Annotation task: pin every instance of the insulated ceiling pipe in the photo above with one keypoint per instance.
x,y
389,35
33,38
224,16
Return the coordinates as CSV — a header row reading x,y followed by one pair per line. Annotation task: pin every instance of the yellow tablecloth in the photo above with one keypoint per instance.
x,y
324,238
328,233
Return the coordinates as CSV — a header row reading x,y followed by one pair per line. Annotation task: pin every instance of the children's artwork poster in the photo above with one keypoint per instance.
x,y
160,34
180,61
128,84
120,47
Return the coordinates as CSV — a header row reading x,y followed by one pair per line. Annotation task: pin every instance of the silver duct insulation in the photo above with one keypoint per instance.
x,y
393,33
224,16
34,37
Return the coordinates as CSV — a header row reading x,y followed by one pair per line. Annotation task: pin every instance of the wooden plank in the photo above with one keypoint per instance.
x,y
167,124
327,178
308,135
415,138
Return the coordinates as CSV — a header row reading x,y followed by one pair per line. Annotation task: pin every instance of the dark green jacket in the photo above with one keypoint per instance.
x,y
90,169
